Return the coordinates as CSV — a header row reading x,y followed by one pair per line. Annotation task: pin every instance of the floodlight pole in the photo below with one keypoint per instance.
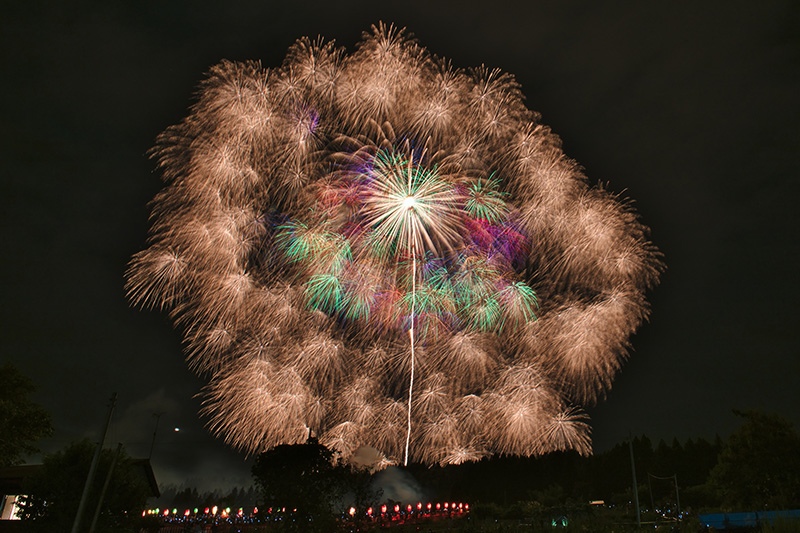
x,y
93,468
635,486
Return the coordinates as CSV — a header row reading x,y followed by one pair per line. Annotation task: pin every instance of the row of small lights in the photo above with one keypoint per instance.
x,y
187,512
454,507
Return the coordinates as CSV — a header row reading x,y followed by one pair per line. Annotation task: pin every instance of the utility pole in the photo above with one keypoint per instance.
x,y
635,486
105,488
153,442
93,468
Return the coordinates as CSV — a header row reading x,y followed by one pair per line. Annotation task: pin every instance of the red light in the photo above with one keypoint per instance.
x,y
396,508
446,505
438,506
383,508
419,506
186,513
466,506
369,511
206,511
429,506
409,508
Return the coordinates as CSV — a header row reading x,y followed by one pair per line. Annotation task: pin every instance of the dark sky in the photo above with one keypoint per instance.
x,y
689,108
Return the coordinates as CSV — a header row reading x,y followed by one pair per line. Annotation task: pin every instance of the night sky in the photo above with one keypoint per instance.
x,y
689,108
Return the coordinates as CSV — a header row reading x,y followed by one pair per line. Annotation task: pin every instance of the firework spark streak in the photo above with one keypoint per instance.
x,y
350,243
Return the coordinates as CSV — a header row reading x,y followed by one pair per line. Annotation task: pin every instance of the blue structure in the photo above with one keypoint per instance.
x,y
722,521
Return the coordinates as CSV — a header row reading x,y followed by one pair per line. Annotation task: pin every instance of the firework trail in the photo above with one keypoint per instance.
x,y
350,243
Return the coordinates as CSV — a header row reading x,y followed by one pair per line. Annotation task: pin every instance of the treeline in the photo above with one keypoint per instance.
x,y
181,498
756,468
568,477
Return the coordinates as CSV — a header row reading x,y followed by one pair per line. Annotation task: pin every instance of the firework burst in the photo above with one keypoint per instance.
x,y
379,249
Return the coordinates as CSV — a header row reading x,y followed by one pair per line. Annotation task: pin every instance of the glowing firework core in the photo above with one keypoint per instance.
x,y
408,205
380,250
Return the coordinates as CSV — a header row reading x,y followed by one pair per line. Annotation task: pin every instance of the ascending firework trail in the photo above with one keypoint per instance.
x,y
379,249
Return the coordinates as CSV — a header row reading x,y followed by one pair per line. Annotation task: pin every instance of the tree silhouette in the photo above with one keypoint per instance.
x,y
759,465
303,480
22,422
